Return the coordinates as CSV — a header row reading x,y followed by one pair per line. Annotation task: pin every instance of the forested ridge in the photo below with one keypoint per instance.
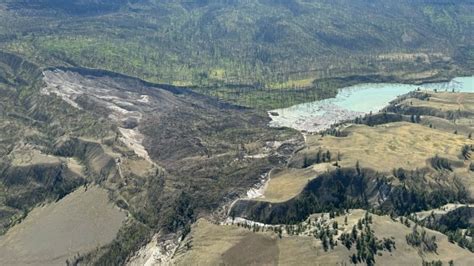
x,y
244,51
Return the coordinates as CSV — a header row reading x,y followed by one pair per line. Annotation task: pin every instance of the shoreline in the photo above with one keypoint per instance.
x,y
350,103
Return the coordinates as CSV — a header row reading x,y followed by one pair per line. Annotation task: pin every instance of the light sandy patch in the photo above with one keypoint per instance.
x,y
133,139
156,252
144,99
115,108
256,156
258,189
27,156
408,56
75,166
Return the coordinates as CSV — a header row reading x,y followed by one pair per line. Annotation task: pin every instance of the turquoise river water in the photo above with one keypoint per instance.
x,y
354,101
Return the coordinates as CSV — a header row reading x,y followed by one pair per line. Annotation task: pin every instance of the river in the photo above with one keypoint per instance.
x,y
354,101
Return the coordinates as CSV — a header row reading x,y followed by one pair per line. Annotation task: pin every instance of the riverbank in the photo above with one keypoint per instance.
x,y
320,87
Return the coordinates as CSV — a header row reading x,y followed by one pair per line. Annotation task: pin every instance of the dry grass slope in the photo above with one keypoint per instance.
x,y
81,222
287,183
388,146
211,244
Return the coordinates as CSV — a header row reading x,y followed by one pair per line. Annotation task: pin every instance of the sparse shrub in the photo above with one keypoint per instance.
x,y
400,173
432,263
466,152
367,244
440,163
422,240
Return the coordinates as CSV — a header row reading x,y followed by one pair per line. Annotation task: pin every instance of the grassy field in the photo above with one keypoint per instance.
x,y
405,254
389,146
210,244
79,223
382,148
401,144
284,184
231,245
445,101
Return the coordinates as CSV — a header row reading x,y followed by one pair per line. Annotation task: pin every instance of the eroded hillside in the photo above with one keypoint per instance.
x,y
166,155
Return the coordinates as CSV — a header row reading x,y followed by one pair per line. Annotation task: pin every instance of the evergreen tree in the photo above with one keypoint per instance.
x,y
354,259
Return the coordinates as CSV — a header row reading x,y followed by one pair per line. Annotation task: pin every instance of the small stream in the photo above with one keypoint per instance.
x,y
354,101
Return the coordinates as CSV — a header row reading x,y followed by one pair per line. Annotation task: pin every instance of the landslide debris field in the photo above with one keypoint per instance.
x,y
402,165
165,155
